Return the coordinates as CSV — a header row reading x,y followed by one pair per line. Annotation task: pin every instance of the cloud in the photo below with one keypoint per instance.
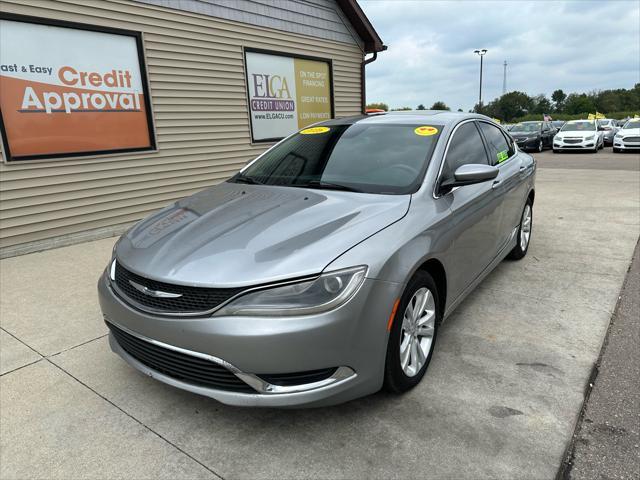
x,y
573,45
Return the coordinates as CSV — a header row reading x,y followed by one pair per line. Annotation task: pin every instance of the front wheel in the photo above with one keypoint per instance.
x,y
413,334
616,150
555,150
524,233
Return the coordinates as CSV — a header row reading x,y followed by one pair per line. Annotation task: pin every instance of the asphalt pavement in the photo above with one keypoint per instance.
x,y
606,444
501,400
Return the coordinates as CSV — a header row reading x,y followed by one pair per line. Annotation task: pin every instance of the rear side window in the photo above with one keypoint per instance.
x,y
466,147
500,148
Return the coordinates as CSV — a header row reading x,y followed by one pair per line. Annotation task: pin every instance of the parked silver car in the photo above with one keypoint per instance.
x,y
609,129
321,272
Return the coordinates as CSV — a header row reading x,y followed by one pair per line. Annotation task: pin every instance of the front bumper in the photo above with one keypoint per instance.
x,y
561,144
528,143
352,338
621,144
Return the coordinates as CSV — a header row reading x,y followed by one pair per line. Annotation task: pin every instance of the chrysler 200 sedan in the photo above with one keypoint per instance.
x,y
322,270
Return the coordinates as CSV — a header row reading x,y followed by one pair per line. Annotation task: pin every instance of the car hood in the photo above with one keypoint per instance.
x,y
236,235
629,132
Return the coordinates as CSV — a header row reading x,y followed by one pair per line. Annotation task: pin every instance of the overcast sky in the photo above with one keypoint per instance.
x,y
573,45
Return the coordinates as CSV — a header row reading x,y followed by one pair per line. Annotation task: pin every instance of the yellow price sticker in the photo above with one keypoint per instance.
x,y
314,130
425,131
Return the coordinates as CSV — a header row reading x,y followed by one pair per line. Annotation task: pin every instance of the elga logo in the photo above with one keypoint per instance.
x,y
52,102
273,92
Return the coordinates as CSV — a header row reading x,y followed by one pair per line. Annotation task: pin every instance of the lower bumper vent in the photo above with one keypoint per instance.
x,y
177,365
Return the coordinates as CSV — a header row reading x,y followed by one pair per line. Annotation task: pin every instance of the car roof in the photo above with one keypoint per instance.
x,y
417,117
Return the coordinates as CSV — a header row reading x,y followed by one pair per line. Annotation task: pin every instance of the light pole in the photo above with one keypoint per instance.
x,y
481,53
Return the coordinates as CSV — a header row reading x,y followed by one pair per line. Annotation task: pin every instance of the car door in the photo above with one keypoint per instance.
x,y
475,210
547,135
508,184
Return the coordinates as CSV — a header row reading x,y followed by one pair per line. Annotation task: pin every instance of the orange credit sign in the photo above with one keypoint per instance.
x,y
69,91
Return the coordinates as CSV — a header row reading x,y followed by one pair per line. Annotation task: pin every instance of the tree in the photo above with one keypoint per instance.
x,y
439,106
378,106
421,107
541,104
507,107
558,97
460,110
579,103
401,109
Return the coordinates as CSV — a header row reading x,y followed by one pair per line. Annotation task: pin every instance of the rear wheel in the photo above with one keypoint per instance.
x,y
524,233
413,334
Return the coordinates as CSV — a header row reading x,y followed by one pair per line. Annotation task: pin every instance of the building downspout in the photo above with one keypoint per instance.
x,y
363,91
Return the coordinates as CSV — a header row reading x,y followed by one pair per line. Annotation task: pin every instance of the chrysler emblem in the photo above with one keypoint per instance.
x,y
153,293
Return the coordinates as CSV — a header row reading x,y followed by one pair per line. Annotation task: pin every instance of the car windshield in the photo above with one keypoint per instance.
x,y
526,127
557,123
578,126
632,124
361,157
603,123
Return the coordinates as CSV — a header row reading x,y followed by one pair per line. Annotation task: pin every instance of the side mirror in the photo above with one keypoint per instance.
x,y
468,175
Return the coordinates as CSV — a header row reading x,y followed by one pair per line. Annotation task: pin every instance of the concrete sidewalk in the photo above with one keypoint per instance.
x,y
500,400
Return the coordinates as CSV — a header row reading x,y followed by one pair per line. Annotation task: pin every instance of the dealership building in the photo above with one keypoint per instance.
x,y
112,109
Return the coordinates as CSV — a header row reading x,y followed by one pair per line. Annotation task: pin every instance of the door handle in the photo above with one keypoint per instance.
x,y
496,184
523,168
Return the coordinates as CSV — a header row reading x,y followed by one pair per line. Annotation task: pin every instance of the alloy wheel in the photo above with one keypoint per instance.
x,y
525,228
418,327
540,146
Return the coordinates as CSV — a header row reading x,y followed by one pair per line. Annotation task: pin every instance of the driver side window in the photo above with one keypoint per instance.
x,y
466,147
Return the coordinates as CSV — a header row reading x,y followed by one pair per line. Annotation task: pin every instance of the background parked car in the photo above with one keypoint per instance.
x,y
557,124
628,137
578,135
609,129
533,135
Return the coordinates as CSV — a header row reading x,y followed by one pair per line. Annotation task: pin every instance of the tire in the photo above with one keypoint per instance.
x,y
540,147
555,150
396,379
616,150
522,247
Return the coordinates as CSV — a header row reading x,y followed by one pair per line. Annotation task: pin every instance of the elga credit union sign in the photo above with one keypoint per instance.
x,y
286,93
71,90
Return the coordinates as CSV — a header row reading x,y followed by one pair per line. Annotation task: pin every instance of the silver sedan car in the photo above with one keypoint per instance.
x,y
322,270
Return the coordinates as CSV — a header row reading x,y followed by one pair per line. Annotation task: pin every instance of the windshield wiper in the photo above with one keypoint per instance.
x,y
328,186
241,178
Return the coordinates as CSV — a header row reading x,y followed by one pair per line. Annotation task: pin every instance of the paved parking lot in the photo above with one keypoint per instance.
x,y
500,399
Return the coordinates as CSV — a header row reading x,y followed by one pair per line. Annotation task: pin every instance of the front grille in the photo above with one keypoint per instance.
x,y
572,140
193,299
177,365
631,139
299,378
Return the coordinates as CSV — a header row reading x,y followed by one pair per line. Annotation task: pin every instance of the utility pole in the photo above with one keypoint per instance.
x,y
480,53
504,79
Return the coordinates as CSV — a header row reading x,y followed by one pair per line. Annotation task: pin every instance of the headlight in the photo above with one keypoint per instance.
x,y
618,135
590,138
324,293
